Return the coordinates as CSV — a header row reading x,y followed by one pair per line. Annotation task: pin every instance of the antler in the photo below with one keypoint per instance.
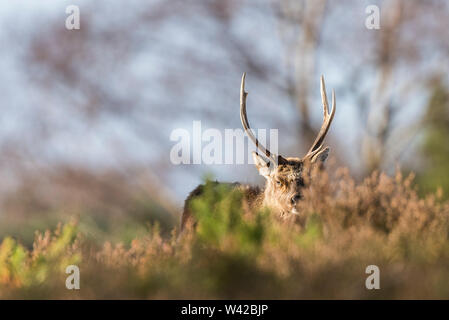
x,y
317,144
245,123
327,120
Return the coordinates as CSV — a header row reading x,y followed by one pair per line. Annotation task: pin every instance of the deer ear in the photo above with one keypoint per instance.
x,y
261,165
321,156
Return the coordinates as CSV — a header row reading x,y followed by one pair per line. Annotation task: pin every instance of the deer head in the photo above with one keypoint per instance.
x,y
284,176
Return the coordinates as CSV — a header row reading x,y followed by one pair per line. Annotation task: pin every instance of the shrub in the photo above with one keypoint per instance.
x,y
234,252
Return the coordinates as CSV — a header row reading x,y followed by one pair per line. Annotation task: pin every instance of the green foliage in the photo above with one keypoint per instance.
x,y
20,268
222,221
435,146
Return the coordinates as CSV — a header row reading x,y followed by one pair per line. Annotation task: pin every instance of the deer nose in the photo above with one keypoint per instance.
x,y
295,199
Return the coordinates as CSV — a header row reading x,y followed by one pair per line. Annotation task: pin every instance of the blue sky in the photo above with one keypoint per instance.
x,y
95,145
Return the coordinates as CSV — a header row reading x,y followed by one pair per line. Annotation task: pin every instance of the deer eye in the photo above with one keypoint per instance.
x,y
278,182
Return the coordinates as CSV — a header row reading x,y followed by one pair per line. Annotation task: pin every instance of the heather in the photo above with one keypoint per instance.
x,y
344,226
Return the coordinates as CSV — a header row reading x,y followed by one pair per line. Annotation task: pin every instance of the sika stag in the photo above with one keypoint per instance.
x,y
284,176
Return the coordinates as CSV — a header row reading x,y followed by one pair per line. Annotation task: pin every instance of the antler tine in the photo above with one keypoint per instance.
x,y
327,120
246,126
324,96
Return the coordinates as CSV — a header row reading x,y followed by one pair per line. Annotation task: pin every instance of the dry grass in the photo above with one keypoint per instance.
x,y
234,253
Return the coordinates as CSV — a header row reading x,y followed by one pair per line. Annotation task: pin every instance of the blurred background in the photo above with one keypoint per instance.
x,y
87,114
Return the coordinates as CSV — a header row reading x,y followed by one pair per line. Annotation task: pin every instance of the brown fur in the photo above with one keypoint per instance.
x,y
283,186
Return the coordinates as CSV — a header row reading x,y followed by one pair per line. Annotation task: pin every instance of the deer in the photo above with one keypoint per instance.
x,y
284,176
